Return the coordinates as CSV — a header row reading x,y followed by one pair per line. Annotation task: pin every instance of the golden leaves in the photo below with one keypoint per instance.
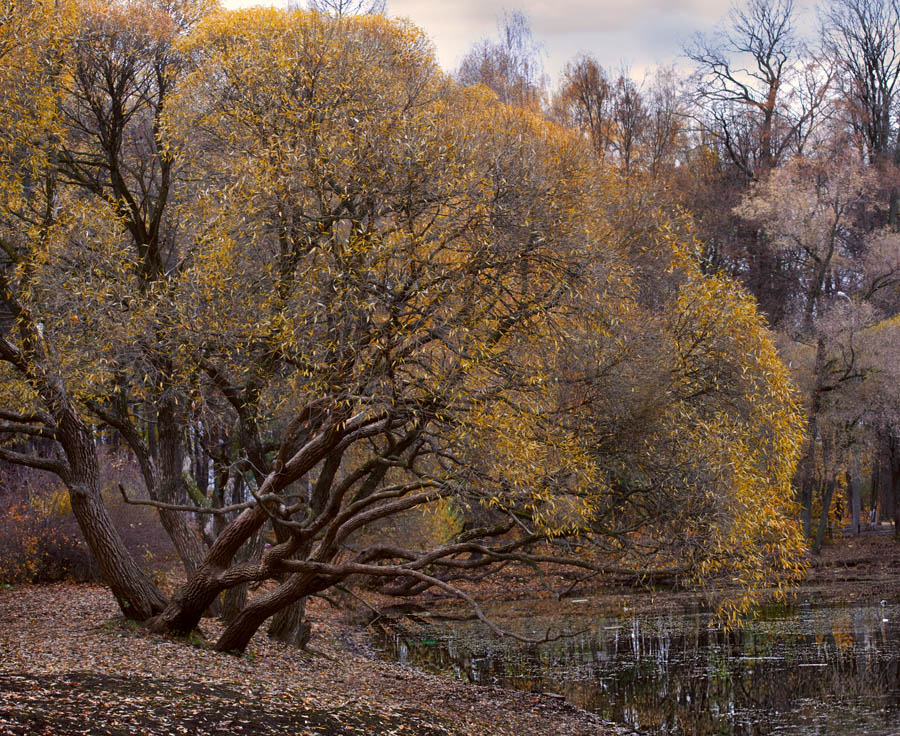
x,y
353,231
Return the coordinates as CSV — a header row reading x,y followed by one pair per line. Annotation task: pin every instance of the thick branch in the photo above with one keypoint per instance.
x,y
192,509
59,467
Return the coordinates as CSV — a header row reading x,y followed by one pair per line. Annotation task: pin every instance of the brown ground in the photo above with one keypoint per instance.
x,y
68,665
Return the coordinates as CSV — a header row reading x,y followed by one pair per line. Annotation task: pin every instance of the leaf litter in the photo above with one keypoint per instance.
x,y
69,666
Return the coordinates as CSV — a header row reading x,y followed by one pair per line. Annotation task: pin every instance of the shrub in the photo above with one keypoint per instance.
x,y
38,543
39,538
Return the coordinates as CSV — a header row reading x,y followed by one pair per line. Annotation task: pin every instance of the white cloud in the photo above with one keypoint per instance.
x,y
637,33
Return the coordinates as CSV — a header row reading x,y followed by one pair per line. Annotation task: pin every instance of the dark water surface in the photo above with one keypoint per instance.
x,y
795,670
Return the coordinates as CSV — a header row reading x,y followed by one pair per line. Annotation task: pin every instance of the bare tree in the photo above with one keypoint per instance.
x,y
665,114
631,120
342,7
512,66
757,111
585,101
863,38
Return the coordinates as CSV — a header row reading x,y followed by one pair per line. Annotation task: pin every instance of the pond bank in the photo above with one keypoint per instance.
x,y
827,661
68,666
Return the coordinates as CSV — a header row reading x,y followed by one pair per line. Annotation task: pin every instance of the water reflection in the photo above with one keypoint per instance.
x,y
807,670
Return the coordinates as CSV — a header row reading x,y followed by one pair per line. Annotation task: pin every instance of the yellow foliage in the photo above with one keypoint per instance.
x,y
354,232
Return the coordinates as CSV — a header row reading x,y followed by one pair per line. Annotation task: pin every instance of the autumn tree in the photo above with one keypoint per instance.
x,y
384,292
36,215
816,214
690,358
585,101
417,260
123,67
638,128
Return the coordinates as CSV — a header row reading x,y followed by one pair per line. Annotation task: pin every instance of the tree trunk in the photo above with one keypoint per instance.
x,y
807,467
874,491
235,598
135,593
137,596
885,481
239,633
853,485
805,498
187,606
822,530
897,509
171,490
290,626
894,464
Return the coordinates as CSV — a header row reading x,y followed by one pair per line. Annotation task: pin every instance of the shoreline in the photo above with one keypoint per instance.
x,y
69,664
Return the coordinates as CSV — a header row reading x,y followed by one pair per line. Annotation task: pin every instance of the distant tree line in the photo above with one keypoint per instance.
x,y
784,149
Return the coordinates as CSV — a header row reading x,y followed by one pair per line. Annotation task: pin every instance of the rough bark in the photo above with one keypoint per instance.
x,y
135,593
188,605
239,633
235,598
289,625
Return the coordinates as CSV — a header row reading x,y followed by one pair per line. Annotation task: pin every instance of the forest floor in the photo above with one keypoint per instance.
x,y
70,665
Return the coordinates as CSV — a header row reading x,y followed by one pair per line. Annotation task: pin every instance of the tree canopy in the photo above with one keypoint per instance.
x,y
366,291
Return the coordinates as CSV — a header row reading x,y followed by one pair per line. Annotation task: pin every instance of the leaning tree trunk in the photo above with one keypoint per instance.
x,y
137,596
188,605
238,634
186,608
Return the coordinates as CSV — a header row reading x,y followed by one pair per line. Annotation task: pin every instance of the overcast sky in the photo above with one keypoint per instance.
x,y
636,33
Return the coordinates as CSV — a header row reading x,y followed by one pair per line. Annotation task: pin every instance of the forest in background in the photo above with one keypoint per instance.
x,y
783,149
340,317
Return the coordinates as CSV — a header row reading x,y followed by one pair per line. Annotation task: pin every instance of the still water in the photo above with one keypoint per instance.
x,y
795,670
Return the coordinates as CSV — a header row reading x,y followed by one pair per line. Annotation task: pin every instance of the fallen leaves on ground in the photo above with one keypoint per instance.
x,y
69,666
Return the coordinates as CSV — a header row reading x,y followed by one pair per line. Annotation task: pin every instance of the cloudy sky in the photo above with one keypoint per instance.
x,y
634,33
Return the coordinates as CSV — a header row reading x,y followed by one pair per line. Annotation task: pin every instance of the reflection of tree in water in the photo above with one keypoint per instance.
x,y
838,668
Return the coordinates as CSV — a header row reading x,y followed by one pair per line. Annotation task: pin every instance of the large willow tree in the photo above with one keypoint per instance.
x,y
373,292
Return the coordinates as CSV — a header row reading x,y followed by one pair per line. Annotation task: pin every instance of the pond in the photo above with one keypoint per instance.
x,y
796,670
